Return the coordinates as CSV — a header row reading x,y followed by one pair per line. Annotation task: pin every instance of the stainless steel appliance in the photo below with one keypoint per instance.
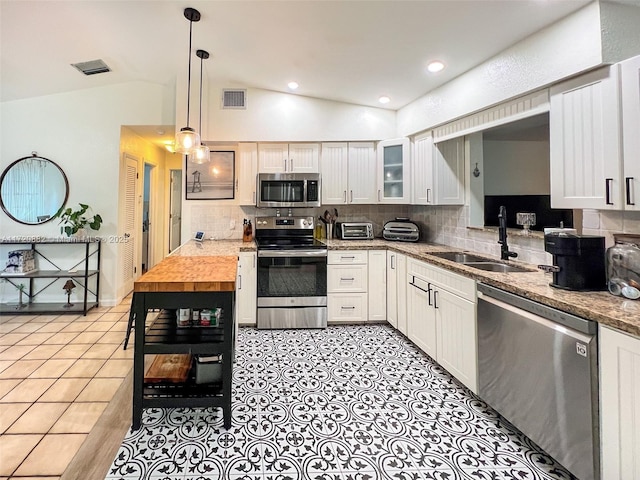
x,y
292,274
288,190
401,229
578,261
537,366
354,230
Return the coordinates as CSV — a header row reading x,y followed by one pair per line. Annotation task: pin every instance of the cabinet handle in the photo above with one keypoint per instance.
x,y
347,308
345,196
254,261
435,298
351,196
285,164
428,191
342,257
393,267
254,197
378,194
422,289
347,279
607,196
291,164
629,185
239,282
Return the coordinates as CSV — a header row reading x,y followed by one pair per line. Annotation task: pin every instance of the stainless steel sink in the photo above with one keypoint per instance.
x,y
459,257
497,267
481,263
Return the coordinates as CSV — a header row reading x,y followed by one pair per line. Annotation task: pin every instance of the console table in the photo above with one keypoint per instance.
x,y
184,282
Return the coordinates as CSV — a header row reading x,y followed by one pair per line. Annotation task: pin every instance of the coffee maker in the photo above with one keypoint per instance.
x,y
578,261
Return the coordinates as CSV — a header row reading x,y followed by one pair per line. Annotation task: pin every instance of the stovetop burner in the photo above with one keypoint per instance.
x,y
286,233
281,243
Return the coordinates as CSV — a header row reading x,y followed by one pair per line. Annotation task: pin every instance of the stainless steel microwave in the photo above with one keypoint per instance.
x,y
288,190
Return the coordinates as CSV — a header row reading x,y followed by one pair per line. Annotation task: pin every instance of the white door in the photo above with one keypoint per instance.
x,y
421,321
304,158
247,171
630,84
129,250
175,207
402,292
246,289
334,169
422,192
362,173
393,163
377,288
448,172
392,289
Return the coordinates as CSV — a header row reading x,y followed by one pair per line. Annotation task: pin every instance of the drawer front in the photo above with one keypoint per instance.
x,y
347,307
457,284
347,257
346,278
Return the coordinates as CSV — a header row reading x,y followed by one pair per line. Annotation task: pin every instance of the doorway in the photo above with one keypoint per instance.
x,y
175,209
147,244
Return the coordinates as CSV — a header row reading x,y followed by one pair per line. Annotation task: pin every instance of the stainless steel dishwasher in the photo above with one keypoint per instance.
x,y
538,367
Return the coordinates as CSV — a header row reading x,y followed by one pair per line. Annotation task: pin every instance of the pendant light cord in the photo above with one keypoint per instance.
x,y
200,123
189,75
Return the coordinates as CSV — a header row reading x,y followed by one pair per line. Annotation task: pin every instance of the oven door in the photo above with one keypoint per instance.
x,y
292,288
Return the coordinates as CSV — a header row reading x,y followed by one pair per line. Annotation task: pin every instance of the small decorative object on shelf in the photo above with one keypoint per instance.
x,y
527,220
68,287
73,221
21,261
20,288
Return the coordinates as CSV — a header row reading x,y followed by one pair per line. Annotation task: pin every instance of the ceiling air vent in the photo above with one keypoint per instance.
x,y
92,67
234,98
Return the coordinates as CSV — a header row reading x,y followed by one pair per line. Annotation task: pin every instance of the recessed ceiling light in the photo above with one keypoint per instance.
x,y
435,66
292,85
384,99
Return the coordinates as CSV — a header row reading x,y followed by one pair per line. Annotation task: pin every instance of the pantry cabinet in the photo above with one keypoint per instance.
x,y
288,158
246,289
630,92
393,168
619,404
377,289
247,171
585,153
348,173
437,171
441,318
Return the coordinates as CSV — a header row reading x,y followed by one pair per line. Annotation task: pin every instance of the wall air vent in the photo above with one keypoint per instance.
x,y
92,67
234,98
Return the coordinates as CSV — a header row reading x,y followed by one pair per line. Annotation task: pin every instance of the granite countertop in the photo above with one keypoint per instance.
x,y
602,307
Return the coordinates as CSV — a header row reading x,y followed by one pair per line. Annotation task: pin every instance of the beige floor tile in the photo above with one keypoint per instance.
x,y
28,328
100,350
79,417
35,338
72,351
121,354
52,455
21,369
6,327
67,319
78,327
42,352
53,368
88,337
84,368
39,477
14,449
64,390
53,327
119,327
61,338
100,390
100,326
112,316
15,352
28,390
7,385
39,418
12,338
115,368
10,412
5,364
123,307
45,318
92,316
114,337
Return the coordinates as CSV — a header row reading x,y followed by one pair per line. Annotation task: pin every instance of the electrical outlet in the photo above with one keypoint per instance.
x,y
232,224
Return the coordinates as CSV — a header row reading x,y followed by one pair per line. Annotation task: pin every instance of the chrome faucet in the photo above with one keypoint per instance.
x,y
505,254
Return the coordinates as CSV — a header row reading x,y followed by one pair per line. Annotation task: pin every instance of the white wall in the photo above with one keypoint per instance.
x,y
516,168
80,131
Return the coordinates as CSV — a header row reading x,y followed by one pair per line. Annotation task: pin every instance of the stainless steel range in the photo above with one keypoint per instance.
x,y
292,274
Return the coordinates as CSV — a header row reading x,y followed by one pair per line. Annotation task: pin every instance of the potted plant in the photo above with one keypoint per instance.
x,y
74,220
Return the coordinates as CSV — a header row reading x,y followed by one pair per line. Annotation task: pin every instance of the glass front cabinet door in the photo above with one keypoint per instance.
x,y
393,171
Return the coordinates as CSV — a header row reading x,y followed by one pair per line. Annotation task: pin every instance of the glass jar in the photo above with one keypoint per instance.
x,y
623,266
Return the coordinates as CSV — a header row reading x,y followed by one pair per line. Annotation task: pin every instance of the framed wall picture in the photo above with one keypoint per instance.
x,y
213,180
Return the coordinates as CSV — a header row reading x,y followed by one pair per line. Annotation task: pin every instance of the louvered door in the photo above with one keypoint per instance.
x,y
128,246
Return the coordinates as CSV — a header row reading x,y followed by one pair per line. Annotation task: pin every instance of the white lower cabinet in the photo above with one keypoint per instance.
x,y
397,291
377,288
441,318
347,300
247,289
619,405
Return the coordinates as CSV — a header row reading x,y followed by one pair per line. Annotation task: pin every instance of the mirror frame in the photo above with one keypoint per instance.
x,y
6,170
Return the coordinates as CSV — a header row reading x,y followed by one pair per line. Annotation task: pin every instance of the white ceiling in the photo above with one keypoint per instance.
x,y
351,51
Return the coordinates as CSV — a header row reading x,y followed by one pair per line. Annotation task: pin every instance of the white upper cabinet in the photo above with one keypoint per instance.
x,y
630,85
422,191
448,172
288,158
394,159
247,172
585,156
348,173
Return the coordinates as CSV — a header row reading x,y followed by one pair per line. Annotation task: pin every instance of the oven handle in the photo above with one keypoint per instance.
x,y
292,253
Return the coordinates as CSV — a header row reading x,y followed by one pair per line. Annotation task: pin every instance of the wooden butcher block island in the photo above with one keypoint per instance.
x,y
202,283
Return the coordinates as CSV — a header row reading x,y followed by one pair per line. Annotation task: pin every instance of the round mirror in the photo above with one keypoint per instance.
x,y
32,190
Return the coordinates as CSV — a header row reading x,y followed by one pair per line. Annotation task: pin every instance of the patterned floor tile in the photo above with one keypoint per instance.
x,y
348,402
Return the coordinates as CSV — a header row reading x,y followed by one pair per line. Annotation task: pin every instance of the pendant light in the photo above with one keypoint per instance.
x,y
201,154
188,139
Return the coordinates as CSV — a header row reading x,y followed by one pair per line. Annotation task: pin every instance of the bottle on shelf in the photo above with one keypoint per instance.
x,y
247,231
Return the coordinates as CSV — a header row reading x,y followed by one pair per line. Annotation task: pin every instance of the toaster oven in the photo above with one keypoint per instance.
x,y
354,230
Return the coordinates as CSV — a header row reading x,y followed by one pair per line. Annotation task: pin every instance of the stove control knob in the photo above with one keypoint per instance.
x,y
305,223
